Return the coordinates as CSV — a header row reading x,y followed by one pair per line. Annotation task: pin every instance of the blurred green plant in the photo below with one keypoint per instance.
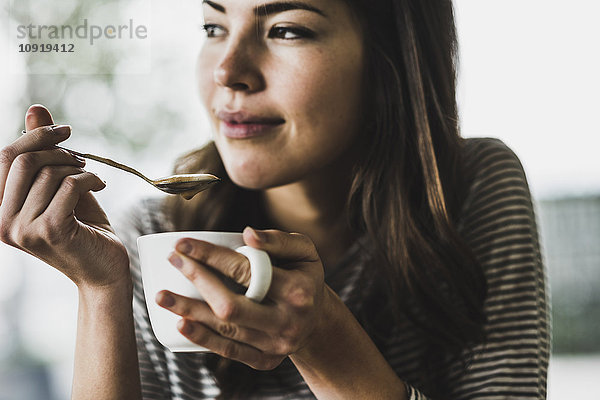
x,y
570,230
133,119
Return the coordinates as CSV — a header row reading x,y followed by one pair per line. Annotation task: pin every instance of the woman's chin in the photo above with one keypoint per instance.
x,y
258,173
256,181
249,181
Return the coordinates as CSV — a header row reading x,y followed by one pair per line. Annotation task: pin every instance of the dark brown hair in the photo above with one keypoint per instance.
x,y
408,188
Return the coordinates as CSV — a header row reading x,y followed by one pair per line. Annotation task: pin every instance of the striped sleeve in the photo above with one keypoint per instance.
x,y
414,394
499,224
154,378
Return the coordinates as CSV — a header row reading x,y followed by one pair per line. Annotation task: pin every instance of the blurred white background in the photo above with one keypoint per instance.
x,y
528,75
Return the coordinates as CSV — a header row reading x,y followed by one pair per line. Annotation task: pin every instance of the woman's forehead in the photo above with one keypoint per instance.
x,y
262,8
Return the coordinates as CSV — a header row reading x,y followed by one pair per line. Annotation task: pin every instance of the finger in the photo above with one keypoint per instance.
x,y
70,191
38,139
204,336
198,311
226,305
282,245
43,189
37,115
23,172
225,260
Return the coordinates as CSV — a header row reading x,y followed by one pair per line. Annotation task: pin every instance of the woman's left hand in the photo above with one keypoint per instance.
x,y
260,335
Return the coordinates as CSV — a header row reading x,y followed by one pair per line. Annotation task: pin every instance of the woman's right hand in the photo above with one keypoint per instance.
x,y
47,208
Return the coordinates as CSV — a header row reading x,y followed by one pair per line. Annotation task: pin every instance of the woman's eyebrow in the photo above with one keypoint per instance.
x,y
267,9
214,5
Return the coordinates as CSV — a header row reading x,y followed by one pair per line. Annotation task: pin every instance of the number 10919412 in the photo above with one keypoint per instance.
x,y
46,48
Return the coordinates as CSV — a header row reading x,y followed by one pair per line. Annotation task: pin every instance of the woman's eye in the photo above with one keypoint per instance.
x,y
288,33
213,30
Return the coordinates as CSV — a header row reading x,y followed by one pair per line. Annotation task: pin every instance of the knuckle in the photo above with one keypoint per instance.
x,y
26,161
283,347
24,237
228,330
5,231
199,252
46,173
8,155
18,235
193,274
227,311
41,132
240,271
69,183
301,294
201,256
184,309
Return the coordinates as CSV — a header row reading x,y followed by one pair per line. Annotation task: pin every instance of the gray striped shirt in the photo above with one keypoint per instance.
x,y
497,222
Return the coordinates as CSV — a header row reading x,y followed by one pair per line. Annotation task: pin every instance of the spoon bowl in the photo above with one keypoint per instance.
x,y
185,185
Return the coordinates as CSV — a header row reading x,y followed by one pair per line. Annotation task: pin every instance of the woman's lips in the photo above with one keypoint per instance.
x,y
234,130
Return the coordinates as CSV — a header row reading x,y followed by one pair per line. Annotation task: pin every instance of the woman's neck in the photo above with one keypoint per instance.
x,y
315,207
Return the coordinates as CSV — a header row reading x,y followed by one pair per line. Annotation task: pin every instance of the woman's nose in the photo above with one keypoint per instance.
x,y
238,69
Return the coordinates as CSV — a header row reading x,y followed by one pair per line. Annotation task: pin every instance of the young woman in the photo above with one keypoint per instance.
x,y
406,259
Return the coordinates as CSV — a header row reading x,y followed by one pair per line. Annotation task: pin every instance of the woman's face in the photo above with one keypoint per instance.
x,y
282,82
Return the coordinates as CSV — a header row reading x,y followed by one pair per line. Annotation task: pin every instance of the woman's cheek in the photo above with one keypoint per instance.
x,y
256,168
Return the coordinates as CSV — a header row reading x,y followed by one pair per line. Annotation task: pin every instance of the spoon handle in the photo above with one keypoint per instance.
x,y
110,162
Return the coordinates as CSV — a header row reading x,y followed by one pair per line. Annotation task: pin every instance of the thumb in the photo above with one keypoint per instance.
x,y
37,115
282,245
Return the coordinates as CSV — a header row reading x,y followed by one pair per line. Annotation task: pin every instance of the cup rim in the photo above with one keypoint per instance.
x,y
184,233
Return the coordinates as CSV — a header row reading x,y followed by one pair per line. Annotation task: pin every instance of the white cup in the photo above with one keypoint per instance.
x,y
159,274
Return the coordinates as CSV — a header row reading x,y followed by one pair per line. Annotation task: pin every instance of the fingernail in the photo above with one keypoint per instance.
x,y
60,129
184,328
184,247
175,260
165,299
259,236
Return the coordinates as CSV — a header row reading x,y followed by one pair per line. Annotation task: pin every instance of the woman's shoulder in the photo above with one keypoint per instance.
x,y
498,208
485,154
495,173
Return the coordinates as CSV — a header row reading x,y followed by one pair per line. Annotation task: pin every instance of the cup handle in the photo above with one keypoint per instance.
x,y
261,272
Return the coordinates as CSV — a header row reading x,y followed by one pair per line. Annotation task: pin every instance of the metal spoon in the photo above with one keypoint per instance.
x,y
185,185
